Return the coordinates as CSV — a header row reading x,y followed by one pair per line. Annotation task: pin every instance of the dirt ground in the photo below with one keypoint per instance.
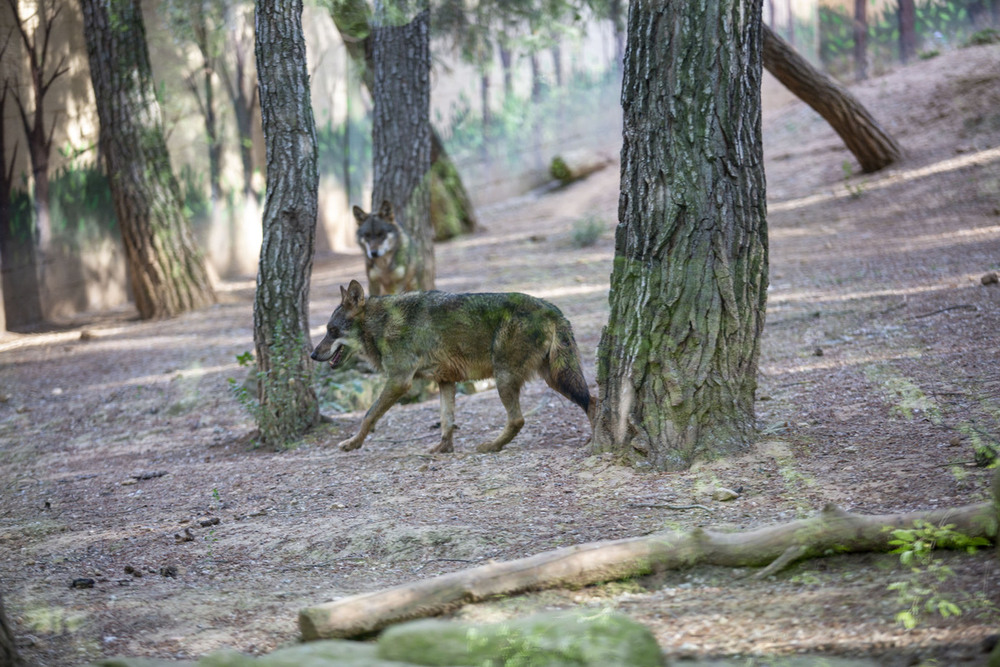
x,y
121,444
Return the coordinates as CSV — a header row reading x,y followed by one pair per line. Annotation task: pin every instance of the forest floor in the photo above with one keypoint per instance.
x,y
879,377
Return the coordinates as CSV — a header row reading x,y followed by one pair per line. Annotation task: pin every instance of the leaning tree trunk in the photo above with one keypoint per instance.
x,y
288,404
452,212
863,136
401,129
677,362
167,272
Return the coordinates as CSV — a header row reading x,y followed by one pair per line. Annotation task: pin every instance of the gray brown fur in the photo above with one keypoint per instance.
x,y
390,254
451,338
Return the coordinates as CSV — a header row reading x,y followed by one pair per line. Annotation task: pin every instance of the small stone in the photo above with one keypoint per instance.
x,y
723,494
990,278
82,582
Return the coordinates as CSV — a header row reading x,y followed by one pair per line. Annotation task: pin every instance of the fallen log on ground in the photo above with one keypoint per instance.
x,y
833,531
574,165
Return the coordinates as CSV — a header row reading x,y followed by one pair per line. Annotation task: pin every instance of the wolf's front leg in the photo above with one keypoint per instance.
x,y
394,390
447,419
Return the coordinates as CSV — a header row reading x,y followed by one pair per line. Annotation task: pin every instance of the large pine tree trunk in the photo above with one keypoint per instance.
x,y
448,194
167,271
873,147
677,363
288,404
401,129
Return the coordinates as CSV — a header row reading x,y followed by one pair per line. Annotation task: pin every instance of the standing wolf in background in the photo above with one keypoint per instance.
x,y
450,338
390,254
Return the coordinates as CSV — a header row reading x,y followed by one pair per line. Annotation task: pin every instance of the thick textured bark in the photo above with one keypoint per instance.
x,y
831,532
288,404
166,270
677,363
401,129
873,147
450,202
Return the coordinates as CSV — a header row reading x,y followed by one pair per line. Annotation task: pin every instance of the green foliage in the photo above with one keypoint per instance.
x,y
922,592
80,205
80,202
587,230
984,37
559,170
855,190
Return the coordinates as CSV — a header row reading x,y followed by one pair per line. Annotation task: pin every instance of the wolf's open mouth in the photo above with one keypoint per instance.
x,y
338,354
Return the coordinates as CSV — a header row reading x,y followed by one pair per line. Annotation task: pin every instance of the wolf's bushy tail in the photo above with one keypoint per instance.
x,y
563,372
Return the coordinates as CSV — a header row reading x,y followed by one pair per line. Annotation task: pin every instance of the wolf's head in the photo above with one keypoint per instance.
x,y
378,233
340,336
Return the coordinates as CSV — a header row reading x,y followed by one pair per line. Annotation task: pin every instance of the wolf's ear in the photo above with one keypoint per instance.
x,y
386,210
359,215
353,297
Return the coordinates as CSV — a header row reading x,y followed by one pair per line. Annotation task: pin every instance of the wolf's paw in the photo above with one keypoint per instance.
x,y
350,444
443,447
489,448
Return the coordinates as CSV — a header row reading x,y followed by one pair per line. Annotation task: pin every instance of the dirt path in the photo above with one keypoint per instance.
x,y
120,443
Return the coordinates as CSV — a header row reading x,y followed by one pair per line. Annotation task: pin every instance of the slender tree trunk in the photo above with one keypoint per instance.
x,y
167,271
506,64
791,21
873,147
677,362
536,77
212,133
36,46
401,131
907,30
860,40
288,404
484,99
616,13
353,21
18,261
557,67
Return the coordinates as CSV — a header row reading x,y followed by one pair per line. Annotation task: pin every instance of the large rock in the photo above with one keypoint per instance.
x,y
557,639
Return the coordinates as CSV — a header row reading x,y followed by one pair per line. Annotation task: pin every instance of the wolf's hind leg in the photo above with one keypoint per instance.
x,y
509,388
447,419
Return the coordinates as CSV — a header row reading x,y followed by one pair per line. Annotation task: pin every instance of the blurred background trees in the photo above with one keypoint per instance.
x,y
513,84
